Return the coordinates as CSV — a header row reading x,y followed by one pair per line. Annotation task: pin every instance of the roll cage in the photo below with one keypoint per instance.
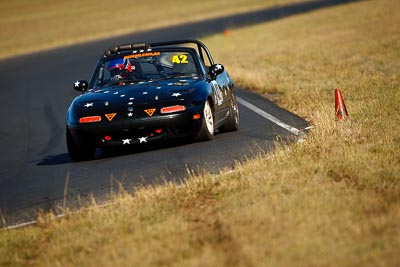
x,y
202,50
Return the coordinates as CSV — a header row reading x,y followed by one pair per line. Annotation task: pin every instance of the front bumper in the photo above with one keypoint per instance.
x,y
138,130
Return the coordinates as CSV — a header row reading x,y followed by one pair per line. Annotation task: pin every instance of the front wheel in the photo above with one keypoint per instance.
x,y
79,152
207,124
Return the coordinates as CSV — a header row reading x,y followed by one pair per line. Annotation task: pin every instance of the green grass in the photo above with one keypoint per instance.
x,y
333,200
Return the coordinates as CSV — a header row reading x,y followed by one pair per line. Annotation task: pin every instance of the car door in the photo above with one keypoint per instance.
x,y
222,90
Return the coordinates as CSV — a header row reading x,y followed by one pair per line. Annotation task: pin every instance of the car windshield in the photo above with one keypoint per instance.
x,y
145,66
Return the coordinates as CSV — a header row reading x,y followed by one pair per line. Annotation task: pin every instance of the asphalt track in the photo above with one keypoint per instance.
x,y
36,90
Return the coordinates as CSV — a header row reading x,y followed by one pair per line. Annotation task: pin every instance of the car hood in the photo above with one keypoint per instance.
x,y
144,92
125,98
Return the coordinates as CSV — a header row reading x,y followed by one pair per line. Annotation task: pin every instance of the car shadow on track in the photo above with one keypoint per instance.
x,y
55,159
59,159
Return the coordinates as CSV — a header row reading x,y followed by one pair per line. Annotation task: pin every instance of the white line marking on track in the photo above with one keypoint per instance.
x,y
19,225
59,216
269,116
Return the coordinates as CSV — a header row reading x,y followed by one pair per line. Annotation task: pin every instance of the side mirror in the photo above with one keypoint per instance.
x,y
216,70
81,85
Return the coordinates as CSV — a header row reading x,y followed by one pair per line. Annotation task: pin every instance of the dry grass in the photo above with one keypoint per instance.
x,y
333,200
27,26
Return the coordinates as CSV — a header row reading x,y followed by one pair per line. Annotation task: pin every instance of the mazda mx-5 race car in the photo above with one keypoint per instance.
x,y
144,92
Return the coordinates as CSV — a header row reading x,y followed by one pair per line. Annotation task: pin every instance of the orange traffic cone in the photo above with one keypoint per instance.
x,y
341,111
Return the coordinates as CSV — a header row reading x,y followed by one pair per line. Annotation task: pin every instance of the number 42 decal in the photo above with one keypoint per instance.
x,y
180,59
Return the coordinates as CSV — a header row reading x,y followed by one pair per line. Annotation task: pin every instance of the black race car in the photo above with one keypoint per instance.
x,y
143,92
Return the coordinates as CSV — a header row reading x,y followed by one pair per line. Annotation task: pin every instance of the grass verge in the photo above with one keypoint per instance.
x,y
26,27
333,200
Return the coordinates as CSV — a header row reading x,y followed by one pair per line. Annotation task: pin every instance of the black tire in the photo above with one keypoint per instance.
x,y
232,123
79,152
206,131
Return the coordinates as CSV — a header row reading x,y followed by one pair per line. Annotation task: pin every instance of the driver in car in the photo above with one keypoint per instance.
x,y
120,69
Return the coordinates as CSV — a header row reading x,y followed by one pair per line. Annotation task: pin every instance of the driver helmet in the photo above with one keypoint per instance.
x,y
119,66
115,66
